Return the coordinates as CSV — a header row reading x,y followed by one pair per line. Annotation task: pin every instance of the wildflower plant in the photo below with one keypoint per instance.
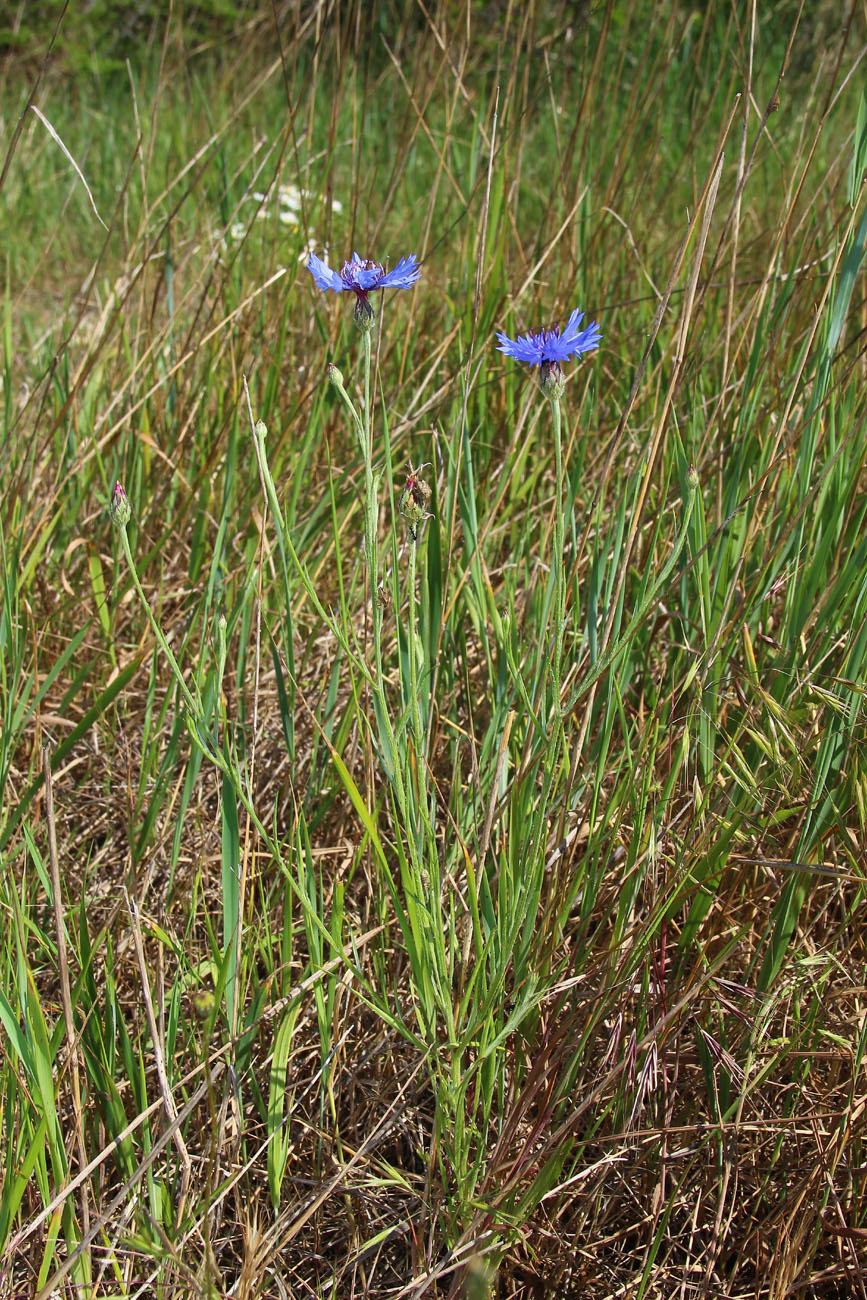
x,y
414,499
547,349
499,914
362,277
404,766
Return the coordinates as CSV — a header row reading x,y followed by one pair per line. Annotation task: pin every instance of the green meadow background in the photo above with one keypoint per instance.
x,y
475,915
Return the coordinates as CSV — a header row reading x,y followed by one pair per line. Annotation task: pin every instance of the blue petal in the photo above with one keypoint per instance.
x,y
323,276
581,340
558,349
526,348
368,277
552,344
402,276
573,341
358,275
571,327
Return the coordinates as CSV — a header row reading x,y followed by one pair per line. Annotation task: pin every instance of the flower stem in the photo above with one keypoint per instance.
x,y
371,519
415,702
368,448
371,511
287,548
557,560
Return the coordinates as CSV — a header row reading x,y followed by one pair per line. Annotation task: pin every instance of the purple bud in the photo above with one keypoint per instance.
x,y
363,315
119,509
551,380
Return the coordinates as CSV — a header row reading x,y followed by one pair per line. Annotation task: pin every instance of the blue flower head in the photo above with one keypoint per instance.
x,y
548,347
362,277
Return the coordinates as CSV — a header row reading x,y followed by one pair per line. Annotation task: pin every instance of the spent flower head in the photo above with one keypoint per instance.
x,y
361,277
414,500
546,348
119,507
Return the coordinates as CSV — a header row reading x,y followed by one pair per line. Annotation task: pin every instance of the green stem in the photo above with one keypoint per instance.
x,y
557,560
286,546
368,442
371,513
371,517
415,703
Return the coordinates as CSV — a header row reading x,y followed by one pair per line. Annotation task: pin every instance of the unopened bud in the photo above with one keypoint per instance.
x,y
261,430
551,380
203,1001
119,508
364,315
335,377
692,478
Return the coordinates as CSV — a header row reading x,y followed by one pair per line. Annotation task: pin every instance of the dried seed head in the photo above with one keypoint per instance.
x,y
414,500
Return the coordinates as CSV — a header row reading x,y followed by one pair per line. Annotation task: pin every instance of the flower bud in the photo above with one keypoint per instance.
x,y
364,315
334,376
119,508
203,1002
692,478
551,380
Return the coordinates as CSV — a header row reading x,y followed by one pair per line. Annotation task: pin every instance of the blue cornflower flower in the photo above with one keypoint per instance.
x,y
548,347
552,345
362,277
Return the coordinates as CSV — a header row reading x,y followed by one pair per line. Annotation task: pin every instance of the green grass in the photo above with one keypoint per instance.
x,y
379,931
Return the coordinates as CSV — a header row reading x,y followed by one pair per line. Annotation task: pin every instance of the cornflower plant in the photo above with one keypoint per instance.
x,y
419,864
420,903
547,348
362,277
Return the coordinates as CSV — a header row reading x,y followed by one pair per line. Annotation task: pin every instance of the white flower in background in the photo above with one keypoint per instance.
x,y
290,200
291,197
